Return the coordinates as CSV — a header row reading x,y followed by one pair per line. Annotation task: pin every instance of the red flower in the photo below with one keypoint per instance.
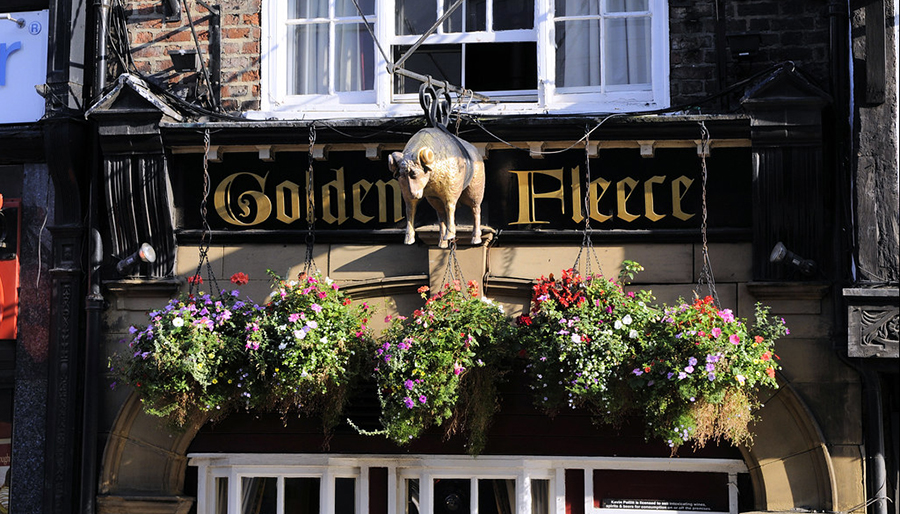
x,y
770,372
195,280
524,319
766,356
423,289
646,369
346,301
240,278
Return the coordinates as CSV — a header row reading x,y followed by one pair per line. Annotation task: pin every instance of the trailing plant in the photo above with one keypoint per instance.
x,y
190,356
576,338
442,365
697,376
309,349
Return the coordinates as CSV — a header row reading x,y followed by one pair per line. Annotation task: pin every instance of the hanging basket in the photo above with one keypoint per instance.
x,y
442,365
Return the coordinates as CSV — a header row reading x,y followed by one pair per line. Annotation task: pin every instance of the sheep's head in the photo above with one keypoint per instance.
x,y
416,171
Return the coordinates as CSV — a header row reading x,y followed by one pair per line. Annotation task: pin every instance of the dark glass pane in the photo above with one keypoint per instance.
x,y
451,495
501,66
443,62
301,496
626,5
221,506
476,15
415,16
496,496
259,495
513,14
540,496
344,496
454,22
346,8
412,496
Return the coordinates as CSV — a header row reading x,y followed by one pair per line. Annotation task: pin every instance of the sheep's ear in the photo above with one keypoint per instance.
x,y
426,157
394,160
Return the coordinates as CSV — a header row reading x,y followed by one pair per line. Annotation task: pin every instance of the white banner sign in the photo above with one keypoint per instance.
x,y
23,65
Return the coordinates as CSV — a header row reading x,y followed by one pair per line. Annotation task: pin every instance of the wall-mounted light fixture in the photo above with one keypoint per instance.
x,y
184,60
145,253
781,254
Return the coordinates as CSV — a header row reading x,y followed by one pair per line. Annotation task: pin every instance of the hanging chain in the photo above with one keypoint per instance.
x,y
706,273
453,272
309,264
205,236
586,243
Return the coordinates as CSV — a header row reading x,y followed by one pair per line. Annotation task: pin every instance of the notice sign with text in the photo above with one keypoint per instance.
x,y
682,506
23,65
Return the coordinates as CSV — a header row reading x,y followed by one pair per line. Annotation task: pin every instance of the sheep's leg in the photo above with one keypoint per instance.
x,y
441,211
410,221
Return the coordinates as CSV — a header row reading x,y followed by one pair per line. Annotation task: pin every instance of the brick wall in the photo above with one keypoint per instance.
x,y
796,31
788,31
152,37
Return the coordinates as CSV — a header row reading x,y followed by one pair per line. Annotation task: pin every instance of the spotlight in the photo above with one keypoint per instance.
x,y
145,253
781,253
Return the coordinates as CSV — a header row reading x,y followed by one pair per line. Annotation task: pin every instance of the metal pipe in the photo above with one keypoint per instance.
x,y
101,8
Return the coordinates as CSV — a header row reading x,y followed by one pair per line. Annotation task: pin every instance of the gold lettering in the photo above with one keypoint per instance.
x,y
598,189
382,200
340,201
622,198
527,195
222,201
577,199
358,192
285,191
648,198
678,195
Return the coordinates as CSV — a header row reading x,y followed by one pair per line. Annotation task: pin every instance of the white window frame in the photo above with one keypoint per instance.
x,y
276,103
426,468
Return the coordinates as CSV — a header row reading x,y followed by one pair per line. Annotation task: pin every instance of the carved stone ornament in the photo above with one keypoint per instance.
x,y
873,323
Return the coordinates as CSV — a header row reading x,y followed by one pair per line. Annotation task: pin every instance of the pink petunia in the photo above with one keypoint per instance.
x,y
734,339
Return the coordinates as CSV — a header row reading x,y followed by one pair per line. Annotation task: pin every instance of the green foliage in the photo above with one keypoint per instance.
x,y
442,364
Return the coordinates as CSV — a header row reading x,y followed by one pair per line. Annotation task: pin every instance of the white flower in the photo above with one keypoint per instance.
x,y
299,334
178,322
329,281
618,324
323,340
576,338
312,324
282,346
627,319
633,334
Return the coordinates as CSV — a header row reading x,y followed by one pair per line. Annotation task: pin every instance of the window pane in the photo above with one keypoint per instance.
x,y
412,496
577,7
628,50
443,62
346,8
451,495
501,66
345,496
415,16
259,495
540,496
626,5
513,14
221,506
309,8
354,58
301,496
496,496
578,53
309,44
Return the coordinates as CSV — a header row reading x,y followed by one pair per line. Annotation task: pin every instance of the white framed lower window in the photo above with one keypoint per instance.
x,y
433,484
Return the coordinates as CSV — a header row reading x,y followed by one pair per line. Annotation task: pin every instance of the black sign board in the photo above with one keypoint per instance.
x,y
352,192
683,506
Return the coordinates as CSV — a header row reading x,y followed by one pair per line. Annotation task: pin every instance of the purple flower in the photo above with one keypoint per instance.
x,y
682,375
726,315
711,377
132,330
409,384
710,367
637,372
689,369
316,307
423,399
692,361
409,402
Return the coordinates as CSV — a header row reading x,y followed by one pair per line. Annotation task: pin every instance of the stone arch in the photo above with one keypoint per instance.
x,y
144,463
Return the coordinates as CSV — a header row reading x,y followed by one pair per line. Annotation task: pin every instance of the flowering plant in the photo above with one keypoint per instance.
x,y
576,338
697,374
441,363
306,355
190,356
216,354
